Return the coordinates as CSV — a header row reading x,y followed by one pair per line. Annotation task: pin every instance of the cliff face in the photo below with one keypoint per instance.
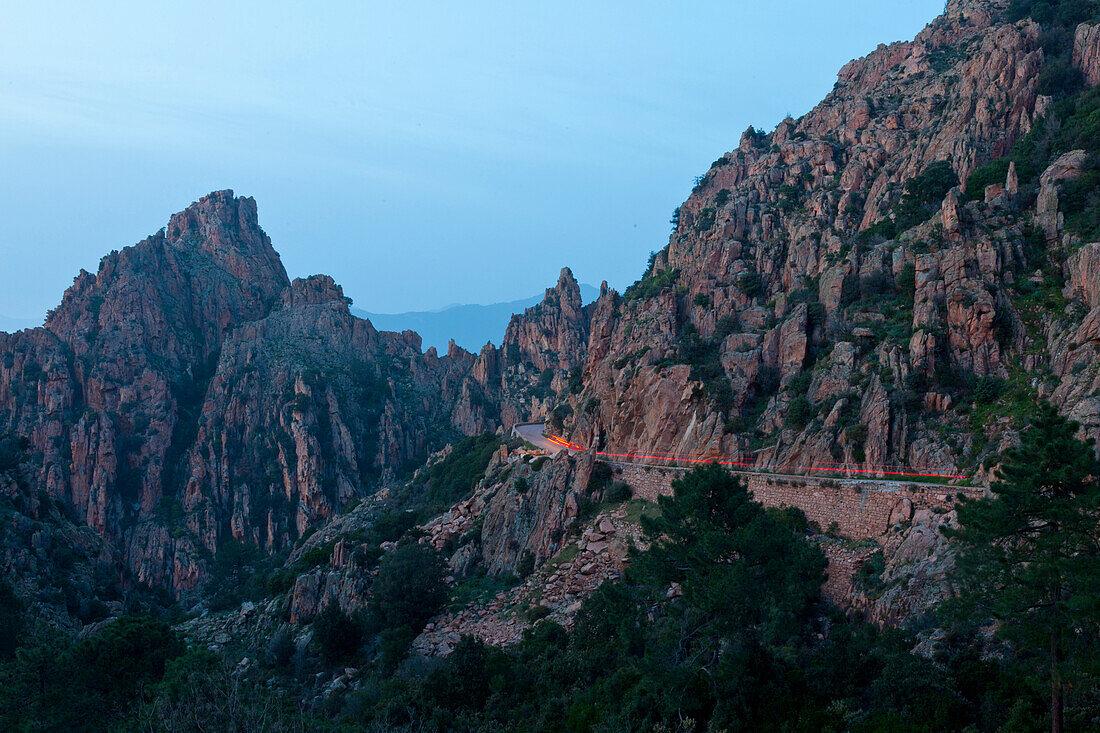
x,y
188,394
831,291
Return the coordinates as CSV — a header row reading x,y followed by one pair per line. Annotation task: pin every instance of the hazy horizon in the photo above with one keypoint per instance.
x,y
423,155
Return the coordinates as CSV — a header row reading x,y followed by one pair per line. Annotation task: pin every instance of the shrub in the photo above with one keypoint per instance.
x,y
409,588
618,491
752,285
652,284
869,577
878,282
11,621
987,390
12,450
706,366
907,280
598,478
995,171
558,415
767,381
857,438
526,564
923,194
337,634
800,412
281,649
546,378
704,220
520,485
726,325
576,380
112,668
535,613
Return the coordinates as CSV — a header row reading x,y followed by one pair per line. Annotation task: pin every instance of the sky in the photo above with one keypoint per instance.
x,y
422,153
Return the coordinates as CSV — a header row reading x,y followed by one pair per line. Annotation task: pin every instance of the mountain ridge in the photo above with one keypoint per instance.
x,y
892,279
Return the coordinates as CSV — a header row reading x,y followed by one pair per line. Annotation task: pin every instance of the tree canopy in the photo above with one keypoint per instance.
x,y
1030,554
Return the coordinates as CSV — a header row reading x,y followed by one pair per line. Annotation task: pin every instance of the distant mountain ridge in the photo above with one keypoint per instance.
x,y
471,326
11,325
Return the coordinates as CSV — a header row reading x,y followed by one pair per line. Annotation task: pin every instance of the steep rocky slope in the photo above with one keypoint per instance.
x,y
189,395
887,281
832,295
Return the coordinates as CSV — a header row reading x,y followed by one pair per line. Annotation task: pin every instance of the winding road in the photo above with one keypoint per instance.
x,y
535,434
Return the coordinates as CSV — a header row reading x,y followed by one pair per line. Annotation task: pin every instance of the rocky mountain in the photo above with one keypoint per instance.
x,y
834,294
888,281
188,395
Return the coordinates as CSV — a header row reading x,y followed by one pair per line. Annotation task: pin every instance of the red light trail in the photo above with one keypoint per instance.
x,y
743,465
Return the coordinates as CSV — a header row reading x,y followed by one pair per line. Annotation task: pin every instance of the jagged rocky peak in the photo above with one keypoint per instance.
x,y
212,267
962,91
313,290
567,292
554,333
221,222
760,329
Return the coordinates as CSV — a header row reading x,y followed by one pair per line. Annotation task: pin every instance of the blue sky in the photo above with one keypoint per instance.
x,y
422,153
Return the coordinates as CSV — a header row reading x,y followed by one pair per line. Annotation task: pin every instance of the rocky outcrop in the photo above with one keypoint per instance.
x,y
188,395
65,574
553,333
1086,52
828,298
535,519
1047,214
776,259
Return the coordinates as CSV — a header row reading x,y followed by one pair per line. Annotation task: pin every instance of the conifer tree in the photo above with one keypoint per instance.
x,y
1030,555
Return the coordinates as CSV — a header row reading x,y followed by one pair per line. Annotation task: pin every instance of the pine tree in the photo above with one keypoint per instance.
x,y
1030,555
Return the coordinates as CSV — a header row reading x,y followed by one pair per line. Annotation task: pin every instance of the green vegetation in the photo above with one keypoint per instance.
x,y
12,450
879,293
337,634
453,478
921,198
652,284
1073,123
800,412
752,285
11,621
718,626
706,366
479,587
618,492
240,573
1059,19
600,478
53,683
1031,555
409,589
202,691
576,380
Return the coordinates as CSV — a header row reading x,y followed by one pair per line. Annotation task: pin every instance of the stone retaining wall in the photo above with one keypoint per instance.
x,y
844,563
852,509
